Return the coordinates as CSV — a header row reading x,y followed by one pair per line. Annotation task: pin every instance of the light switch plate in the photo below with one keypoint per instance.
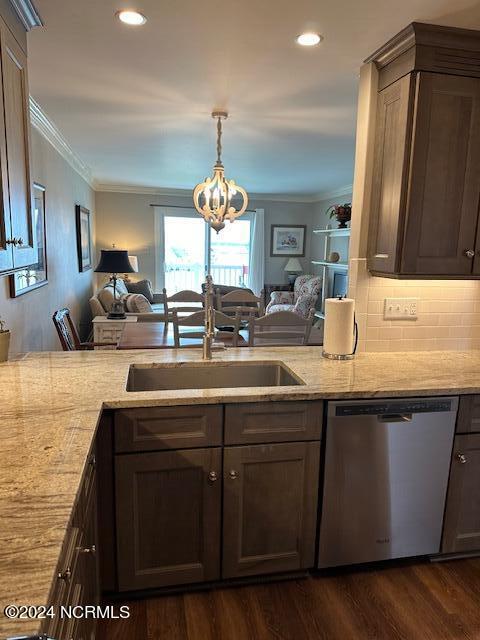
x,y
400,309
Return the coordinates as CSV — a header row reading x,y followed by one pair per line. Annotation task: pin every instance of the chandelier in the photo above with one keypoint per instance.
x,y
213,197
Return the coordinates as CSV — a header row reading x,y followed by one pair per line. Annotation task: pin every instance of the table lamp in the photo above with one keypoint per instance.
x,y
115,261
293,267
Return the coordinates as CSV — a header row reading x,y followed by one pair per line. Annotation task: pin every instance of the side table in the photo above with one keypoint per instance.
x,y
105,330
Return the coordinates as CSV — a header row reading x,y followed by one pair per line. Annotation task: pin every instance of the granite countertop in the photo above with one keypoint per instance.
x,y
51,403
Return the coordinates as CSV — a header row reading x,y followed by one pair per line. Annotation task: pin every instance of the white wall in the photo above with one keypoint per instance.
x,y
30,316
127,219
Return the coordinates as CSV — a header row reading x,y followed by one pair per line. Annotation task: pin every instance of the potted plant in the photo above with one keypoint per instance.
x,y
4,341
342,212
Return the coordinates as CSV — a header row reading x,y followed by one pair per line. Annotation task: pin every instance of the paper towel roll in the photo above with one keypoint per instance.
x,y
339,325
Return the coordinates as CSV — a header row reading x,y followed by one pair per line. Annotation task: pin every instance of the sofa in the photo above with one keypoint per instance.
x,y
150,305
301,300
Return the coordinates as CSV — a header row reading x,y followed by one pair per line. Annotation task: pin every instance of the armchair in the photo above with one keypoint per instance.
x,y
301,300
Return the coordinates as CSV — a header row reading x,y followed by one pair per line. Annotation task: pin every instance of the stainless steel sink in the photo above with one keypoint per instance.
x,y
214,375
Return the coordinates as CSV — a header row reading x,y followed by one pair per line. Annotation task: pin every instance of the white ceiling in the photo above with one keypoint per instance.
x,y
135,103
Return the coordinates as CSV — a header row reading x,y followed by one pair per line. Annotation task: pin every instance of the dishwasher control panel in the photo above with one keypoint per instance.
x,y
393,407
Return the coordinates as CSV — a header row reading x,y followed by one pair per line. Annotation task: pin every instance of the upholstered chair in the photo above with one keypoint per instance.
x,y
301,300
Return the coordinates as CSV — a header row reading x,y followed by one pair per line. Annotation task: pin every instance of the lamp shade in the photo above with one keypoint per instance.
x,y
114,261
293,266
134,262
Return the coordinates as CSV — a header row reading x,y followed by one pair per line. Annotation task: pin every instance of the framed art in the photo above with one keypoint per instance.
x,y
35,275
288,240
84,245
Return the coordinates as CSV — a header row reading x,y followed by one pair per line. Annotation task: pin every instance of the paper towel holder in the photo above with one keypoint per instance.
x,y
344,356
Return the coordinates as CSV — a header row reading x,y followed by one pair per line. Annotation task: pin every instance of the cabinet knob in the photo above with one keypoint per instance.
x,y
233,475
65,575
212,476
92,549
469,253
461,457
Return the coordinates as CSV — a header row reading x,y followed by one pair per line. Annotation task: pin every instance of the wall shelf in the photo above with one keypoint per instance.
x,y
334,233
329,268
325,263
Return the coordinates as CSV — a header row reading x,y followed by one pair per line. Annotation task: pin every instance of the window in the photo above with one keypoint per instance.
x,y
191,248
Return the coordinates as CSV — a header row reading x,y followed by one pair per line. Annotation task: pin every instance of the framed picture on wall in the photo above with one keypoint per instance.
x,y
35,275
84,245
288,240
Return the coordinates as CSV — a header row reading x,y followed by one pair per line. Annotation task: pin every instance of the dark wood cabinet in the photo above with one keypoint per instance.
x,y
170,525
77,581
17,230
168,507
270,508
461,532
468,420
426,176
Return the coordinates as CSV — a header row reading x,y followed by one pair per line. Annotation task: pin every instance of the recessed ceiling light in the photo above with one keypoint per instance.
x,y
309,39
131,17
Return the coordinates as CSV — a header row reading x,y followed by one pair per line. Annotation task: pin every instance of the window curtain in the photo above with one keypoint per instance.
x,y
256,275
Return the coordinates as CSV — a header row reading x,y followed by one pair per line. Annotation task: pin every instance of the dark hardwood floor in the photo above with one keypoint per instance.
x,y
407,601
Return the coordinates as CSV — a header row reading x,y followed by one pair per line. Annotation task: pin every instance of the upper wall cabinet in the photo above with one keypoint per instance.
x,y
426,177
17,229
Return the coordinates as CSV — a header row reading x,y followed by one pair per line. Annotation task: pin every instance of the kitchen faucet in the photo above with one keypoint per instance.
x,y
209,330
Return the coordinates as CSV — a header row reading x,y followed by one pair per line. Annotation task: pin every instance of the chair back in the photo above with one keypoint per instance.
x,y
197,319
240,301
67,332
280,328
185,301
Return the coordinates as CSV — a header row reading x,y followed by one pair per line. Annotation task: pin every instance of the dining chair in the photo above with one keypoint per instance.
x,y
240,301
68,334
280,328
197,319
185,301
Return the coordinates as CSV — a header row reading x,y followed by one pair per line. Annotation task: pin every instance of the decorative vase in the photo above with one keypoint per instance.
x,y
4,345
343,215
342,212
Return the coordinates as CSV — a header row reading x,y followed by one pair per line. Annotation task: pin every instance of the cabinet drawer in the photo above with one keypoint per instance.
x,y
157,428
468,420
259,422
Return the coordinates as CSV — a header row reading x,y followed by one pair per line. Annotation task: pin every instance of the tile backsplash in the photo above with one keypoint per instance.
x,y
448,312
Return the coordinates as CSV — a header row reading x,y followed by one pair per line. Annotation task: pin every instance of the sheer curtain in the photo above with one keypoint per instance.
x,y
256,275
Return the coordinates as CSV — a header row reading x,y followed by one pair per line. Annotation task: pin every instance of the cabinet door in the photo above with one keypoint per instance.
x,y
468,420
168,517
270,508
6,249
444,177
461,531
390,175
17,127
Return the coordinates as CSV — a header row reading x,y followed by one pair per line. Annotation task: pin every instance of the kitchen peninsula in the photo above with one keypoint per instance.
x,y
51,409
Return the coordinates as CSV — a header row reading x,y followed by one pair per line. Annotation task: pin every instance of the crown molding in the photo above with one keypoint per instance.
x,y
182,193
334,193
28,14
110,187
49,131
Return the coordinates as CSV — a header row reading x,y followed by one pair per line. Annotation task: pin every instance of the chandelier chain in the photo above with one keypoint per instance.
x,y
219,141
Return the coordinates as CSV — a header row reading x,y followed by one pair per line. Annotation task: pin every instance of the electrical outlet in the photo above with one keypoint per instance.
x,y
400,309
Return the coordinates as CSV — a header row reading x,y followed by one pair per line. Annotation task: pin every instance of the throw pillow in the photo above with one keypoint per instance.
x,y
136,303
105,296
142,286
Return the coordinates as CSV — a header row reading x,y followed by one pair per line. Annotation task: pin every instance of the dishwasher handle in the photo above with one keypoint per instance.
x,y
395,417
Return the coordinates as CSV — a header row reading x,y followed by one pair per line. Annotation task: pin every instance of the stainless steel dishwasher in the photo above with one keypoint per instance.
x,y
386,476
